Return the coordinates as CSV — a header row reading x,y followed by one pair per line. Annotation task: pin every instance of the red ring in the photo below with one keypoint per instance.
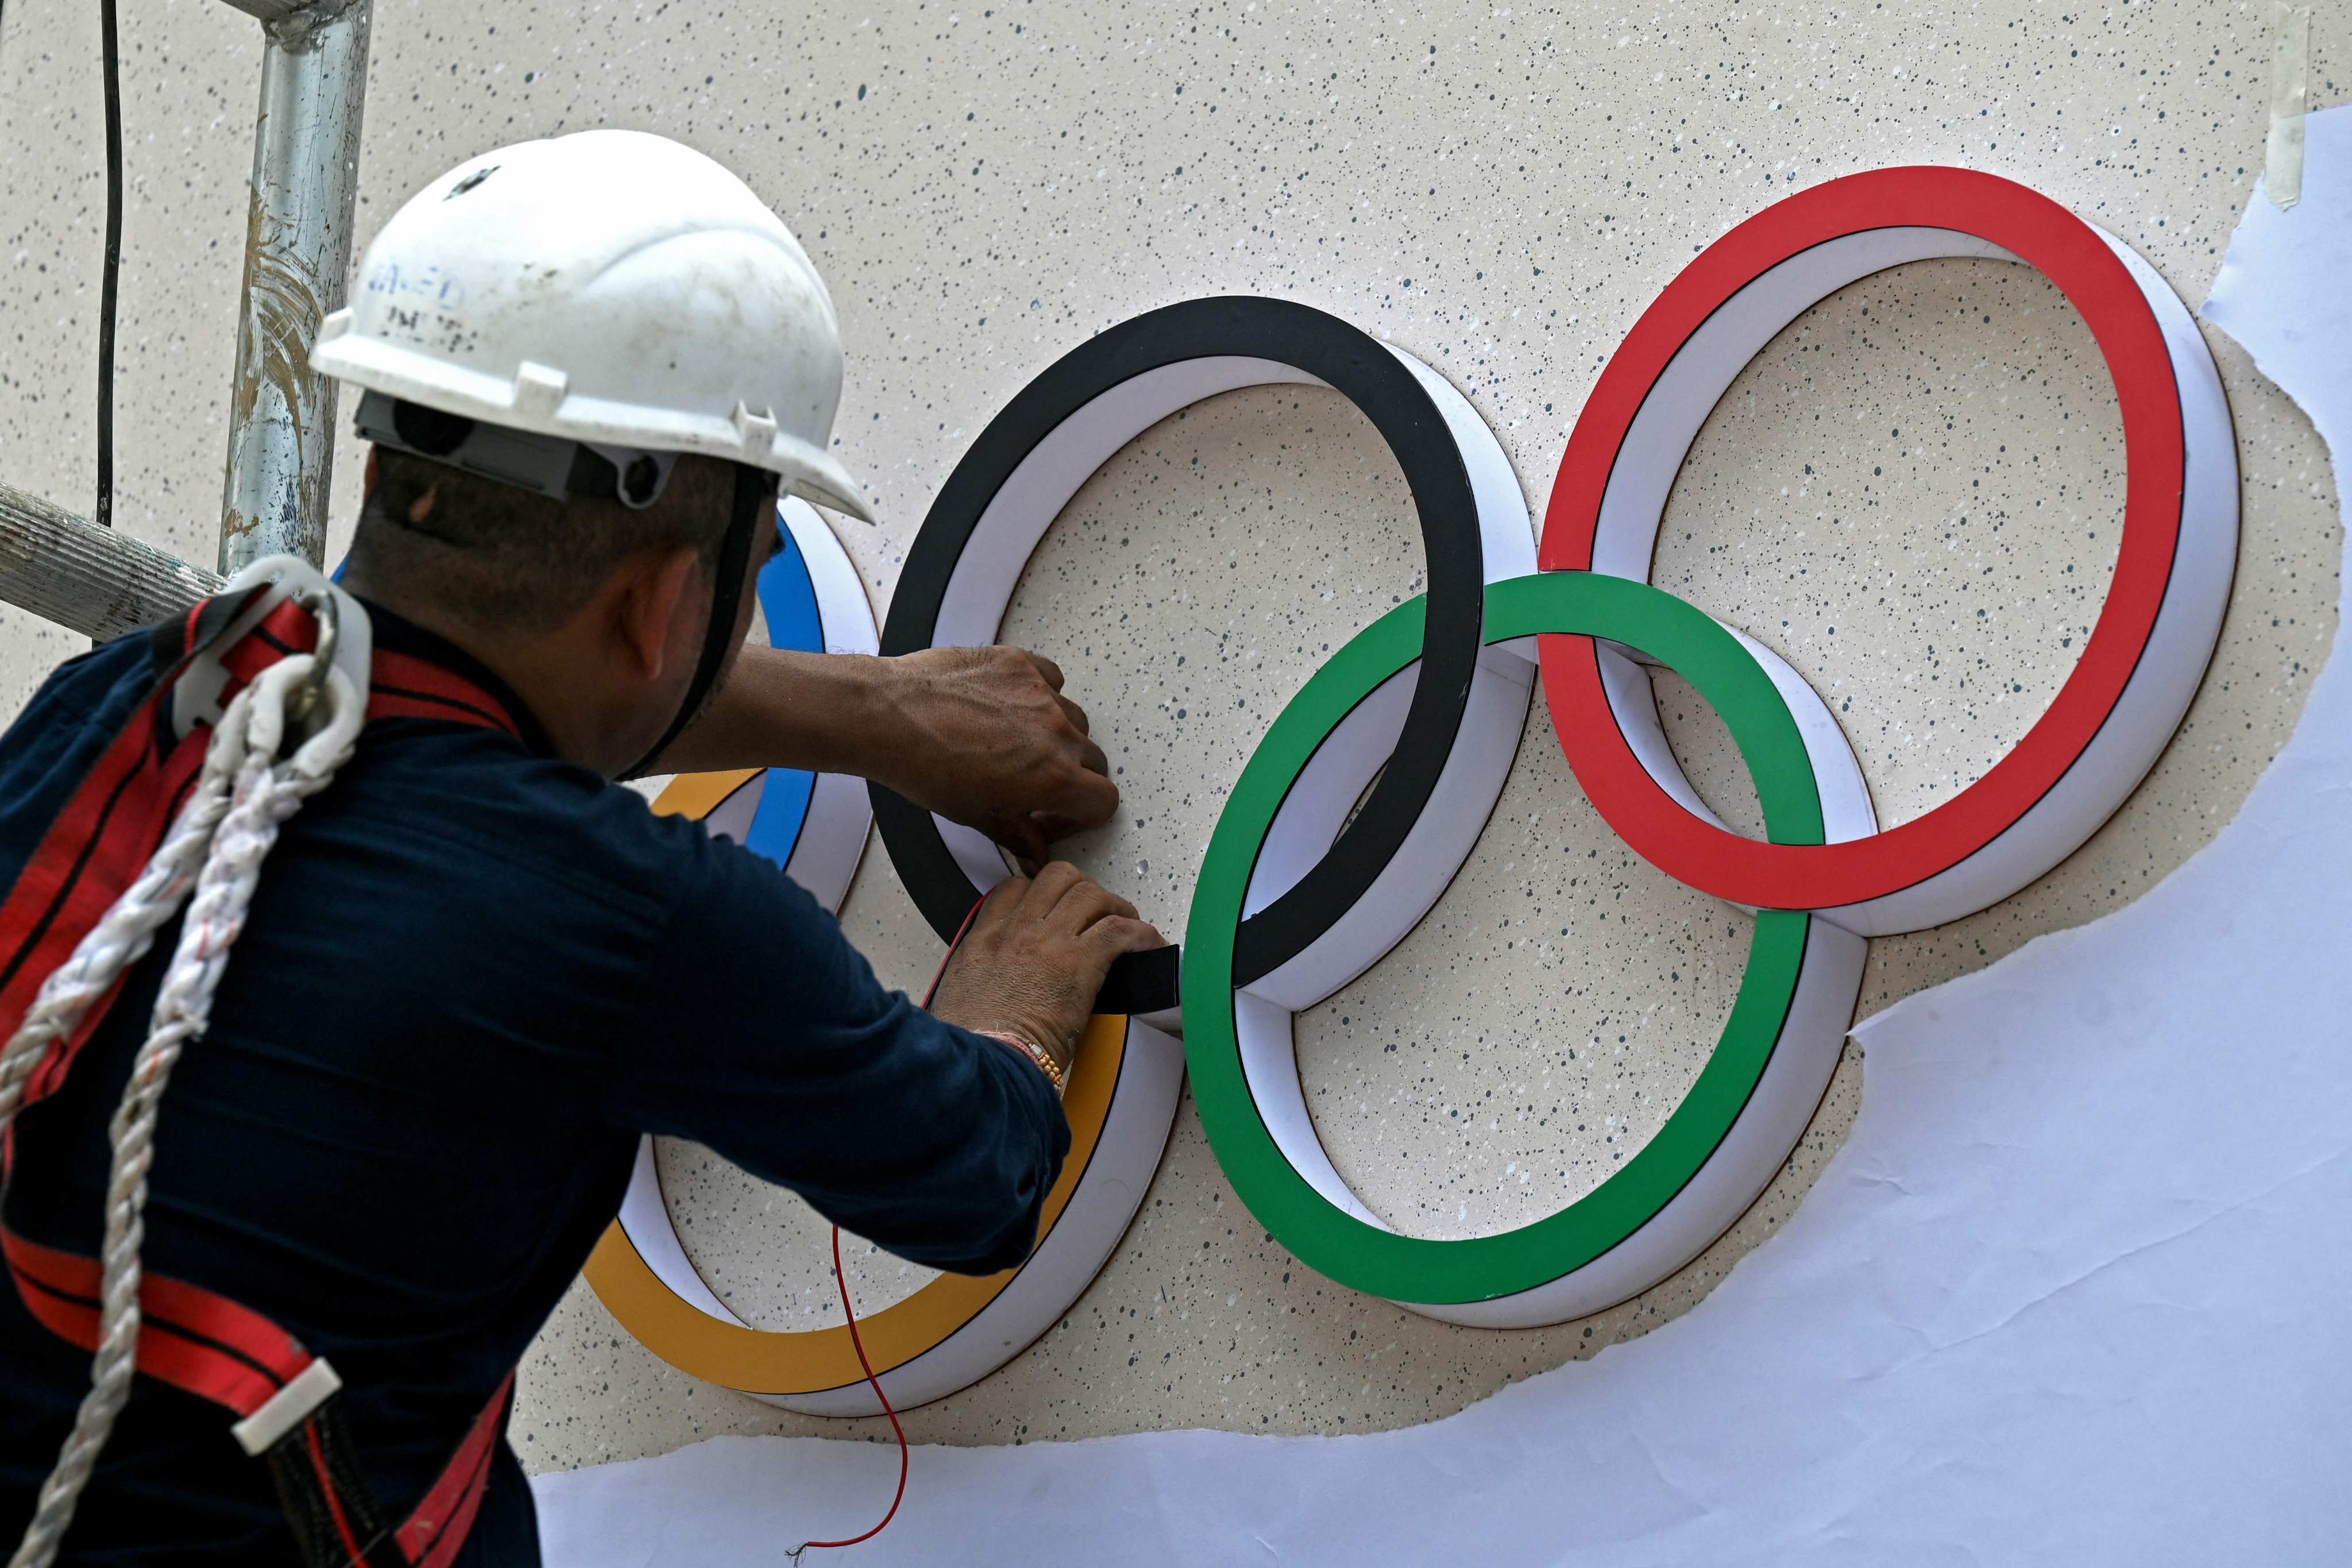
x,y
2072,255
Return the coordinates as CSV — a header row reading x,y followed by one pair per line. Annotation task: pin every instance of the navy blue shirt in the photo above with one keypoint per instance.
x,y
473,975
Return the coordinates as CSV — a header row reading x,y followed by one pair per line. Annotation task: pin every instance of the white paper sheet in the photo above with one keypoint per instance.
x,y
2078,1290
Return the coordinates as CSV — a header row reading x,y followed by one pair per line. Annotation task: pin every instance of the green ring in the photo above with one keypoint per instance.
x,y
1404,1269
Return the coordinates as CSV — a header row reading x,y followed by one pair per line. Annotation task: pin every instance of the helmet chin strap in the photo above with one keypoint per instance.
x,y
727,591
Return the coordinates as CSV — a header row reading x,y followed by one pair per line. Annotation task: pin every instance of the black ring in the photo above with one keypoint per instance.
x,y
1365,373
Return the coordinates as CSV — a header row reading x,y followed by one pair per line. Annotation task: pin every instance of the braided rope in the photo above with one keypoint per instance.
x,y
216,846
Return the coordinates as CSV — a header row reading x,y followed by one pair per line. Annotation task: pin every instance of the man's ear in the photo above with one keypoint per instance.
x,y
651,601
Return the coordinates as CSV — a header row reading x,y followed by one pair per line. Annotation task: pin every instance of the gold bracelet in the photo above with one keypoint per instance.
x,y
1033,1052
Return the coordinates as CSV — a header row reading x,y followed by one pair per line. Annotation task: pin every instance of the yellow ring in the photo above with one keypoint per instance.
x,y
811,1361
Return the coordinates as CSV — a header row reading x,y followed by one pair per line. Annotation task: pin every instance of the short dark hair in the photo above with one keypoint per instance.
x,y
507,559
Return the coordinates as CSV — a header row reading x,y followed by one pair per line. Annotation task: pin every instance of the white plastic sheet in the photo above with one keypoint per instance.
x,y
2076,1291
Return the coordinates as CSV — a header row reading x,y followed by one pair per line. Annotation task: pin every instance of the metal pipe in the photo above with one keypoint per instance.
x,y
100,581
297,246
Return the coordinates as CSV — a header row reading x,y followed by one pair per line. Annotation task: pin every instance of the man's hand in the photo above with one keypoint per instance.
x,y
984,737
1037,955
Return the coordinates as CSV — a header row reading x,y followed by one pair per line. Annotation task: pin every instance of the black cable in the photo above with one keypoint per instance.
x,y
103,513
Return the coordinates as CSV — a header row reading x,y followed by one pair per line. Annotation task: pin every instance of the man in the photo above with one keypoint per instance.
x,y
474,970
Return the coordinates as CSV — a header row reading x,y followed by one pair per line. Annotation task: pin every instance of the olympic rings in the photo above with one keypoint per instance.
x,y
1062,427
2147,653
1425,709
1733,1129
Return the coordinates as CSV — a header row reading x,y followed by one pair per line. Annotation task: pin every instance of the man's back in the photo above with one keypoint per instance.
x,y
472,974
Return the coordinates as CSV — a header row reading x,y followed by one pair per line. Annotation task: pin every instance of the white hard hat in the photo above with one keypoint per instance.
x,y
610,288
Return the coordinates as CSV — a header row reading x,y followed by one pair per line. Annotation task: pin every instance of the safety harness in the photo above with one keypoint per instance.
x,y
100,844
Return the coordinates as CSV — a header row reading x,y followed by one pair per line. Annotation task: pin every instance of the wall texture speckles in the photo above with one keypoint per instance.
x,y
1502,191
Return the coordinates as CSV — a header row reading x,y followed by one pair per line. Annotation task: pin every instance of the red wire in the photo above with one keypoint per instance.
x,y
941,973
858,1340
876,1383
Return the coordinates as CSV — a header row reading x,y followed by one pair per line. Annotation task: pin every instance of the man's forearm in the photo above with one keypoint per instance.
x,y
779,709
980,735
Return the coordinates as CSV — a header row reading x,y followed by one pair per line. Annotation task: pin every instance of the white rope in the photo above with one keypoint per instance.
x,y
216,846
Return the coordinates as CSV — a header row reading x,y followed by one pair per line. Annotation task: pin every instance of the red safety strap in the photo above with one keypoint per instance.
x,y
437,1529
192,1337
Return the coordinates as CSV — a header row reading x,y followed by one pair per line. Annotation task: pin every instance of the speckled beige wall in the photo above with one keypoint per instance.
x,y
1913,494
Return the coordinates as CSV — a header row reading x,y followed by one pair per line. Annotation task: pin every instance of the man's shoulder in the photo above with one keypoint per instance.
x,y
553,868
60,734
503,812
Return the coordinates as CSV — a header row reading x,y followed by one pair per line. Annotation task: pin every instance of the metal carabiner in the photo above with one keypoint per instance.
x,y
304,700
